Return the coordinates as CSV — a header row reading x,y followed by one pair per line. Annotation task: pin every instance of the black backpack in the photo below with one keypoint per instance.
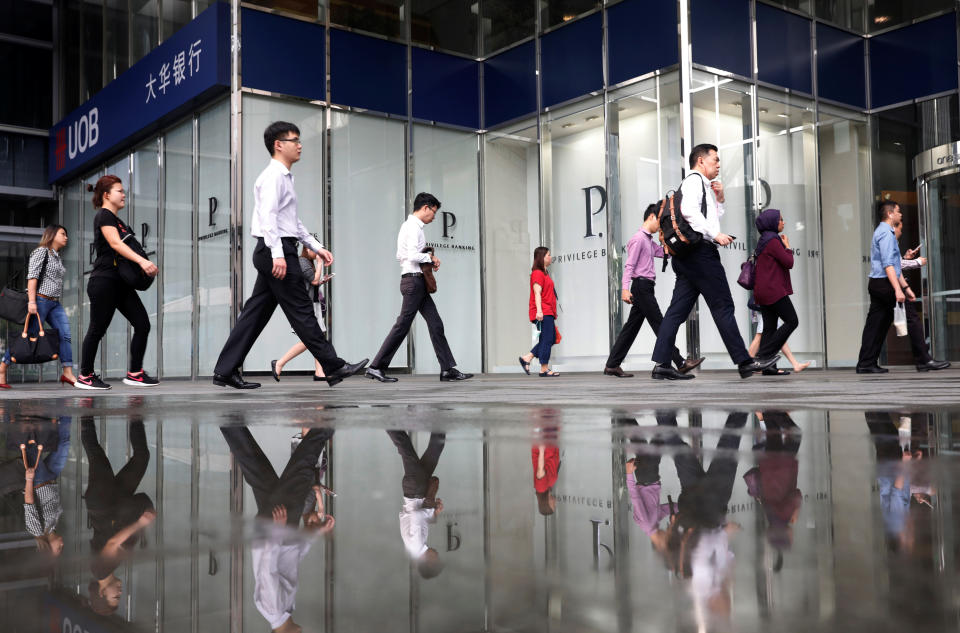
x,y
676,235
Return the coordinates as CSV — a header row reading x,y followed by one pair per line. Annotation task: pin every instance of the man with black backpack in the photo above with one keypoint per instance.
x,y
700,272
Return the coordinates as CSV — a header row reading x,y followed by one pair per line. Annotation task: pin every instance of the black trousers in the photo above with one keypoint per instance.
x,y
108,295
646,460
104,488
774,338
704,494
782,434
291,487
879,319
415,299
644,307
417,470
918,340
700,273
291,295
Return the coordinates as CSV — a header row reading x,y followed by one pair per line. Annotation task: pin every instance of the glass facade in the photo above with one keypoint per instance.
x,y
575,178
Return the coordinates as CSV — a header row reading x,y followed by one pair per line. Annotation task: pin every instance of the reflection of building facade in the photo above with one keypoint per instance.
x,y
555,128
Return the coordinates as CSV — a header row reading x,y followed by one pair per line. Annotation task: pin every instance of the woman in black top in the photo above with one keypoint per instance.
x,y
109,293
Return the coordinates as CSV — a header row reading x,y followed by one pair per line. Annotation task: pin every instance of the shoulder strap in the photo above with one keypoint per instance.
x,y
43,269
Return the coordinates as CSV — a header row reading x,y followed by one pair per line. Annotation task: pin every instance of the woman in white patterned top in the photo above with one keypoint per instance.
x,y
44,288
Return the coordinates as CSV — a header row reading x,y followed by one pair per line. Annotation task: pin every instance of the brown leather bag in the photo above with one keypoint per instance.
x,y
427,268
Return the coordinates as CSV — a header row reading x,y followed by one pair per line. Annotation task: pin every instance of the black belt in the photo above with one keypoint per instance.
x,y
404,275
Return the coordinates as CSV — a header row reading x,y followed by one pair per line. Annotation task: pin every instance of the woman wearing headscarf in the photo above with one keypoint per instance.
x,y
772,289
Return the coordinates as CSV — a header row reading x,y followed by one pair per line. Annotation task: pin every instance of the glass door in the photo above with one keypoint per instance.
x,y
940,210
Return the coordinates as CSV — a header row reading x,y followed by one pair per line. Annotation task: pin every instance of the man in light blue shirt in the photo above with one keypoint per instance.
x,y
886,287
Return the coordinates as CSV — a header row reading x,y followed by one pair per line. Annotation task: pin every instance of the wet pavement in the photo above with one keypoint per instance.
x,y
422,509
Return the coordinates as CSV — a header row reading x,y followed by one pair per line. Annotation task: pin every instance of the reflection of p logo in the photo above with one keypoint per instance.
x,y
213,209
590,212
449,221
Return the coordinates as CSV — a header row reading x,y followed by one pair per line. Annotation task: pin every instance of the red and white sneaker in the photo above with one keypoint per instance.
x,y
143,379
90,382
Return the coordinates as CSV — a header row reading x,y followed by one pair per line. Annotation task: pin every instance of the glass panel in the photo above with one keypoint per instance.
x,y
384,17
214,504
23,162
142,571
368,179
92,49
721,116
174,524
649,165
787,159
176,13
803,6
883,15
73,287
258,113
445,164
145,28
113,348
308,8
850,14
575,204
559,11
506,22
144,188
27,19
27,71
450,25
846,196
70,58
177,269
89,256
943,231
116,38
511,232
213,234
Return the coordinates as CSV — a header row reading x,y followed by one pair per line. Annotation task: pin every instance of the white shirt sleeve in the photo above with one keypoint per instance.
x,y
268,211
307,239
408,245
906,264
693,194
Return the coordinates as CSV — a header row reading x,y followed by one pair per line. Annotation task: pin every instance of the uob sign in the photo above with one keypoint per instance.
x,y
76,138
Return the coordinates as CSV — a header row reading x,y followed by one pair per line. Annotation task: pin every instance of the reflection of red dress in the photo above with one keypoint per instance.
x,y
551,464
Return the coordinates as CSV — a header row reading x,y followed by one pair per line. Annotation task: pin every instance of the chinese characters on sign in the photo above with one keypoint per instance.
x,y
185,64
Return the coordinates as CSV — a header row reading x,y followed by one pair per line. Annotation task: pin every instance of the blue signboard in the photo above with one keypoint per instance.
x,y
191,66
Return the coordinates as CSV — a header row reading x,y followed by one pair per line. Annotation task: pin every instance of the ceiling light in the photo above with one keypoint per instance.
x,y
592,118
568,17
782,116
881,19
763,110
566,125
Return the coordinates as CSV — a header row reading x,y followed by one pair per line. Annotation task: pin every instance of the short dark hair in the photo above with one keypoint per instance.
x,y
277,130
651,210
886,208
427,199
701,150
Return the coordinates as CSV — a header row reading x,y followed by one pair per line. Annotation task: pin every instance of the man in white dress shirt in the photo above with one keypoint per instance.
x,y
410,244
700,271
278,228
420,503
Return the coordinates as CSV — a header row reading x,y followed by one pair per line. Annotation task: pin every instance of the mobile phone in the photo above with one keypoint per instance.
x,y
919,246
326,278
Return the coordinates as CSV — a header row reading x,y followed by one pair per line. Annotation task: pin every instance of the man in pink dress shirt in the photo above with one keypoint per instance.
x,y
639,279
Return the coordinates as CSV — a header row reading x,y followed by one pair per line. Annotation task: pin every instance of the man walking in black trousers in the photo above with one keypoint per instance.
x,y
413,287
639,280
277,228
700,272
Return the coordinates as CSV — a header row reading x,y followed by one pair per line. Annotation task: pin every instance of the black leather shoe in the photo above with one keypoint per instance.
x,y
377,374
665,372
748,368
234,380
346,371
454,374
873,369
616,371
273,370
690,364
933,365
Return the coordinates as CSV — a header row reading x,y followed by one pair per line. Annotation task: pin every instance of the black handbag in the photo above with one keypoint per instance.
x,y
30,349
13,302
130,272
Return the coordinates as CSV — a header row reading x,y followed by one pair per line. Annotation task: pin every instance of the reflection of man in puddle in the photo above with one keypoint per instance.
x,y
420,503
284,500
698,540
117,512
643,480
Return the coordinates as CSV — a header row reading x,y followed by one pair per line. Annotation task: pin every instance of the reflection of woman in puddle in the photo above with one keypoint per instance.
x,y
117,512
285,500
546,470
698,539
41,493
774,480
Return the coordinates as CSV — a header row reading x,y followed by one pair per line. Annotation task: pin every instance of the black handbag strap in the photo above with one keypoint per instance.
x,y
43,269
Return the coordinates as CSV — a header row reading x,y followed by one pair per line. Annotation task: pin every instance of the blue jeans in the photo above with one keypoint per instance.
x,y
49,469
548,334
51,311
